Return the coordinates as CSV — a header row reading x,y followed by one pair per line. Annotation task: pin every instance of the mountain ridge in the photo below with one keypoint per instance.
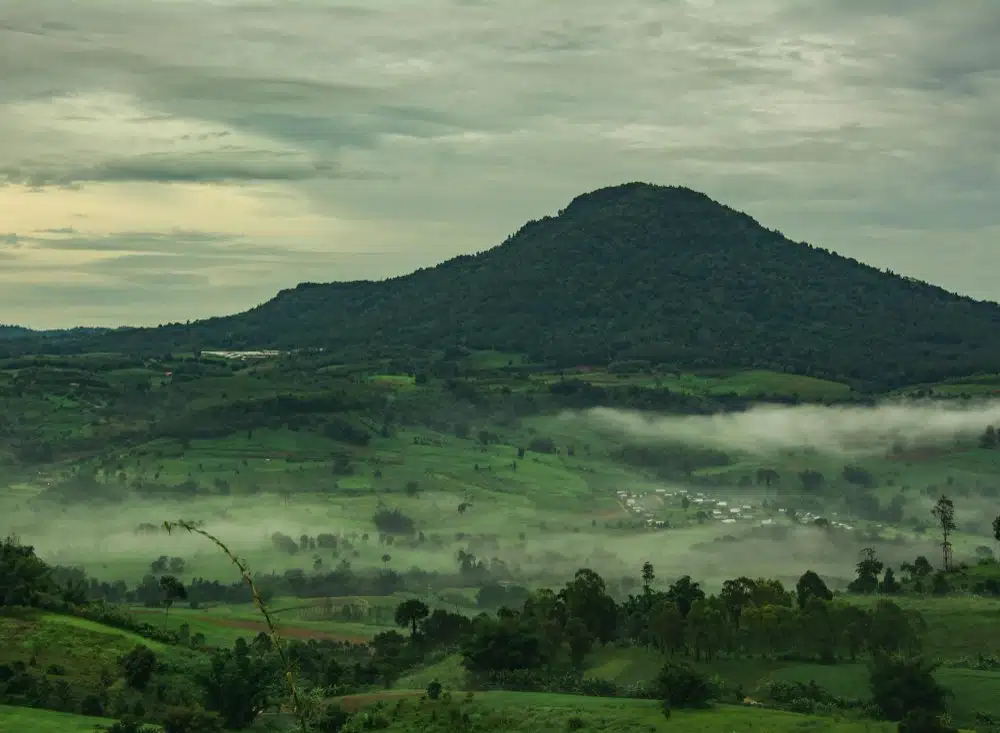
x,y
634,271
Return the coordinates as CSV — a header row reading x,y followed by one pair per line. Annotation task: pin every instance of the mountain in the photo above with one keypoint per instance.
x,y
634,271
15,332
20,332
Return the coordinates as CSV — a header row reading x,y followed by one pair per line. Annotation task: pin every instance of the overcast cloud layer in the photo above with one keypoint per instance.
x,y
171,159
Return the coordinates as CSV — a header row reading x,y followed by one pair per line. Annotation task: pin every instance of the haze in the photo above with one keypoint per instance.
x,y
161,161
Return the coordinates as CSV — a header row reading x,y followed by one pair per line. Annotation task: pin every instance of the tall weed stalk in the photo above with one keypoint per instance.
x,y
299,709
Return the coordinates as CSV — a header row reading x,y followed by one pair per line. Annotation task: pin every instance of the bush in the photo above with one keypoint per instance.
x,y
682,686
92,705
921,721
332,719
130,724
138,666
434,690
190,720
393,521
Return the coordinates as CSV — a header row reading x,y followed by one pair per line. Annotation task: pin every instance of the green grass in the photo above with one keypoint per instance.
x,y
624,666
223,624
514,712
957,626
974,690
447,670
32,720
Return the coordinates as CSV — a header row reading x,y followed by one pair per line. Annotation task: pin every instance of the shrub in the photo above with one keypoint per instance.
x,y
682,686
393,521
138,666
190,720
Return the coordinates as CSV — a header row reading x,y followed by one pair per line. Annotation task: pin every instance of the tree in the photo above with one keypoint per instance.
x,y
648,575
810,585
237,684
410,613
24,577
812,480
736,595
580,641
944,512
989,438
587,599
767,476
996,528
684,592
667,626
889,586
868,570
171,589
858,476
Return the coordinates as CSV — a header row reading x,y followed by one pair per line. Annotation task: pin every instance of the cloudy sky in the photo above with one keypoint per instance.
x,y
171,159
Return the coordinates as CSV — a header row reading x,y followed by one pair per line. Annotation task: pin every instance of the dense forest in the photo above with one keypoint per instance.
x,y
635,271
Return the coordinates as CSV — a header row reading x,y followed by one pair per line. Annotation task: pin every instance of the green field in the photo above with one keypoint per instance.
x,y
532,712
32,720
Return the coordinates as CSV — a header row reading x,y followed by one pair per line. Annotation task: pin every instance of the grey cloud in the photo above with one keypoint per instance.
x,y
449,123
215,167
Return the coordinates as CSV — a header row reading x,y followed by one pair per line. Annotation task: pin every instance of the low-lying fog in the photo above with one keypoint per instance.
x,y
105,543
837,430
103,539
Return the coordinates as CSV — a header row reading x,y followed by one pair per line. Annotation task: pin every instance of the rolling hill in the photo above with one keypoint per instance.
x,y
630,272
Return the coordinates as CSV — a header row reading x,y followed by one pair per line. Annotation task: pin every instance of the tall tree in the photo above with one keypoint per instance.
x,y
171,589
868,570
410,613
810,585
944,512
648,574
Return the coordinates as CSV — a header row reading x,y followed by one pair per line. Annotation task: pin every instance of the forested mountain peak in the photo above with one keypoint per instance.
x,y
633,272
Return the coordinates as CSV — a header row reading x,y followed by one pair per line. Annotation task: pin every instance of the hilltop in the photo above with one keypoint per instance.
x,y
630,272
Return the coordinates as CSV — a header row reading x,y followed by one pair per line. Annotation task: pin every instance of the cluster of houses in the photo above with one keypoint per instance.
x,y
643,505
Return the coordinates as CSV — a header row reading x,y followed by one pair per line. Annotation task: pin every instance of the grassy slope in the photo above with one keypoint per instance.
x,y
514,712
31,720
82,649
974,690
